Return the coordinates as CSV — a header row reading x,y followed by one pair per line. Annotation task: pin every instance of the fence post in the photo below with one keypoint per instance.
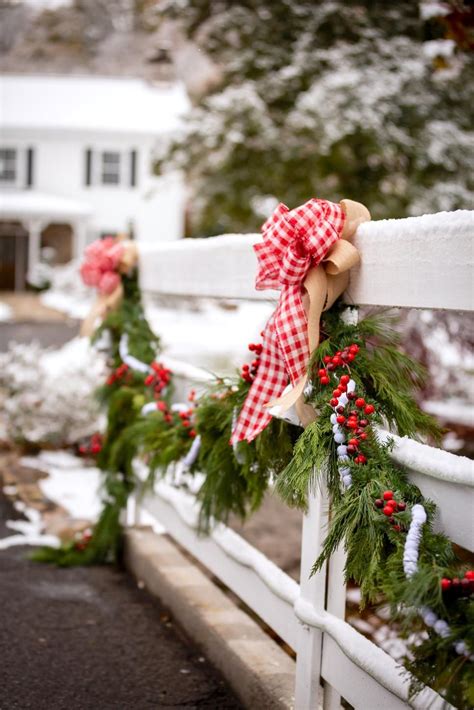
x,y
308,694
336,605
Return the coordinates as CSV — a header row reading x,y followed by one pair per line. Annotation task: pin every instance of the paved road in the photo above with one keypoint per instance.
x,y
47,334
89,639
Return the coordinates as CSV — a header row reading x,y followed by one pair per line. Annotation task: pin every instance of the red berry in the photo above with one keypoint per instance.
x,y
352,424
351,357
363,423
340,419
255,363
402,505
378,503
331,366
351,395
360,402
82,449
161,406
336,393
96,448
397,528
363,435
353,442
469,574
388,510
327,359
192,433
369,409
362,459
337,360
245,368
321,373
354,348
351,449
388,495
324,380
343,388
149,379
186,423
251,347
333,402
344,379
340,410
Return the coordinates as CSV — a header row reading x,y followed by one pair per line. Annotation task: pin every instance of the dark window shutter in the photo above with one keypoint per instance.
x,y
30,166
133,168
88,171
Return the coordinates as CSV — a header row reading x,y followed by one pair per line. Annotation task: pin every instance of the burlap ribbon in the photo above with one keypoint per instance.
x,y
105,303
323,286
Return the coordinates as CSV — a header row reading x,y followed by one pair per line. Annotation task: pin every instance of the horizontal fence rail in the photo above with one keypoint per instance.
x,y
418,262
422,262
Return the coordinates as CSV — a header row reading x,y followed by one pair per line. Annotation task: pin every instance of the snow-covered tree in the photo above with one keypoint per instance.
x,y
368,100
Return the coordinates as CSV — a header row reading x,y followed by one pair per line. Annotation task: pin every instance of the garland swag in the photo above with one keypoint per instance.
x,y
358,380
123,396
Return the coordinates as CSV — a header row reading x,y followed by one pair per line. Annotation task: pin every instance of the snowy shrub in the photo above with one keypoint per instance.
x,y
48,394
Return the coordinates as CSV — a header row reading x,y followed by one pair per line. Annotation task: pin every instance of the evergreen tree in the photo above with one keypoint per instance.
x,y
332,98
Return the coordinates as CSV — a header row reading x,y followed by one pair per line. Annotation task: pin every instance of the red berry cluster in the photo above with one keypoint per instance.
x,y
356,426
178,418
82,540
118,374
342,357
158,379
391,507
93,447
248,372
459,587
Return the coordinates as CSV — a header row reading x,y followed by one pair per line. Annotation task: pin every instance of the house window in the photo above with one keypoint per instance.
x,y
8,166
110,168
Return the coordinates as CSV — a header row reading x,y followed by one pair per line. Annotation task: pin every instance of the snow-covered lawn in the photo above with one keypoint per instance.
x,y
6,313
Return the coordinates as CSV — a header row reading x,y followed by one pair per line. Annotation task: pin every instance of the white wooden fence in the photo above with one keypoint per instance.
x,y
423,262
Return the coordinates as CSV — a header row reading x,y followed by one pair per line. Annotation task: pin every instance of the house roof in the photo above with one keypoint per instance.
x,y
20,204
90,103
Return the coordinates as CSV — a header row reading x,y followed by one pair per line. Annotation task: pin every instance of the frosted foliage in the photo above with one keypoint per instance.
x,y
332,99
48,394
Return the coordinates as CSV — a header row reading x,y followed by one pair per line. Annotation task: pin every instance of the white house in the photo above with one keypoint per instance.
x,y
76,163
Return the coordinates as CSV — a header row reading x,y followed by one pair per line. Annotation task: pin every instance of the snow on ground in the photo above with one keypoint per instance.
x,y
213,336
205,332
29,531
6,313
70,483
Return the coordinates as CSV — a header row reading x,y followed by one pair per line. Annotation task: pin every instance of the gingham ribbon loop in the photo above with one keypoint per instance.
x,y
293,242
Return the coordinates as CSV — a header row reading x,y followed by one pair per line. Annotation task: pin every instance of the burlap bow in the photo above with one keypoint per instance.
x,y
293,243
105,303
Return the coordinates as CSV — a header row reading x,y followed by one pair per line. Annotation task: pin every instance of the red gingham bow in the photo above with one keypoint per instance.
x,y
293,241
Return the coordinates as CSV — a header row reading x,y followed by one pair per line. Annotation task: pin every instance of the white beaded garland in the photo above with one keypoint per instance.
x,y
410,567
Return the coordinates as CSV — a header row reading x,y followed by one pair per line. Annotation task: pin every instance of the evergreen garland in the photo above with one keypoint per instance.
x,y
123,396
372,532
372,503
236,479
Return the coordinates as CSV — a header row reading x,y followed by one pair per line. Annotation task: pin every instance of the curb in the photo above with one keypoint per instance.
x,y
260,673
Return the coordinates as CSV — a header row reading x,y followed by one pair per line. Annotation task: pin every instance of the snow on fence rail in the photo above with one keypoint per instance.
x,y
422,262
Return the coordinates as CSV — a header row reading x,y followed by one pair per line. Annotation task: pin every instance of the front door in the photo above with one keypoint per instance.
x,y
13,257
